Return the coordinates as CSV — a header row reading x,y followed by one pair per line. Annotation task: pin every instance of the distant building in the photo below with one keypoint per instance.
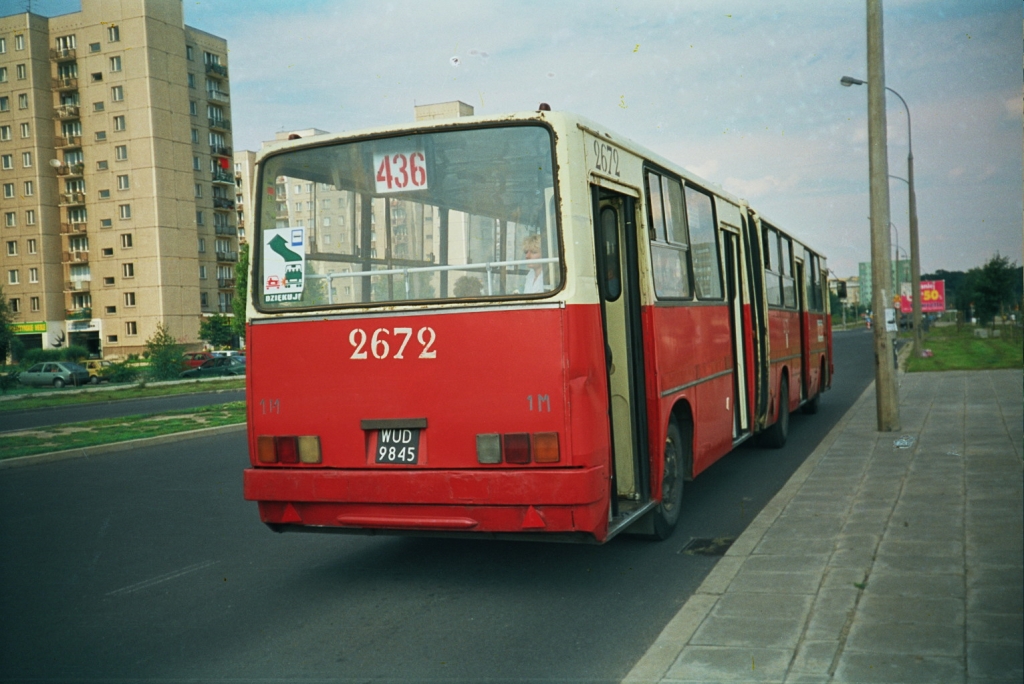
x,y
900,275
115,149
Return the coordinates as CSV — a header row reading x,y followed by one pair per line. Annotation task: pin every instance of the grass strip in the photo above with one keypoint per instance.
x,y
70,397
112,430
961,350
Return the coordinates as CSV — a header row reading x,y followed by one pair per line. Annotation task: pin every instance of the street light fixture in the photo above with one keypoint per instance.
x,y
915,255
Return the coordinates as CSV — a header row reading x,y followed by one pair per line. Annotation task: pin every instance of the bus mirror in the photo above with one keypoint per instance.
x,y
841,289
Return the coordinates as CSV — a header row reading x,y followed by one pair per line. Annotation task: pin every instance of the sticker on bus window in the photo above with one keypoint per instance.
x,y
284,264
400,171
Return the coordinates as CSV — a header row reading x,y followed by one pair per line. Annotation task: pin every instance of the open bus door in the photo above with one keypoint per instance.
x,y
618,277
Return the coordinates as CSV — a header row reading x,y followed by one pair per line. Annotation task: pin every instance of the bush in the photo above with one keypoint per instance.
x,y
164,355
8,381
74,353
121,371
34,356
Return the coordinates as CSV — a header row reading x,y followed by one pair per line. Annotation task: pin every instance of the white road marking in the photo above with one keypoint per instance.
x,y
145,584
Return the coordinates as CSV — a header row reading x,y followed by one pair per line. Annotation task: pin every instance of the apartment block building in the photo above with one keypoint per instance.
x,y
117,192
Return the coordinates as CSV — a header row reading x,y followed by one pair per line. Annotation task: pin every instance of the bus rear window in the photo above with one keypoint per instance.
x,y
459,214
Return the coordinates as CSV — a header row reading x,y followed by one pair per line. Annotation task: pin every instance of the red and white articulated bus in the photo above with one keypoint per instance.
x,y
521,326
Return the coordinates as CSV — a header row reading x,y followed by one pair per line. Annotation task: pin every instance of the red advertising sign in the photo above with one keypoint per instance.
x,y
933,297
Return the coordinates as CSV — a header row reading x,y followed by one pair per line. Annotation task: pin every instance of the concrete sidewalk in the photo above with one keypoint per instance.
x,y
887,557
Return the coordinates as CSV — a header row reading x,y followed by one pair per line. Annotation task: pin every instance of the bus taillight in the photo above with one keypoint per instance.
x,y
288,449
517,448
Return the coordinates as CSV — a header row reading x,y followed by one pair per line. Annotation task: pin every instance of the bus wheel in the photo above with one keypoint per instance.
x,y
666,515
811,407
775,437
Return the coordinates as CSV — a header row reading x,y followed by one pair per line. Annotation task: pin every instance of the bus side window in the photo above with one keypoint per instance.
x,y
772,261
612,269
669,245
706,272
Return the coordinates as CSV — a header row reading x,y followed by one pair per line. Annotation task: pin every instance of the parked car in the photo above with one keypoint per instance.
x,y
97,370
217,366
196,359
228,352
55,373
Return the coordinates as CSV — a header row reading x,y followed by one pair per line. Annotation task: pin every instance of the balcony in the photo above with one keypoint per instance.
x,y
67,112
76,257
70,169
62,54
225,283
83,314
69,141
222,124
225,230
72,198
217,96
221,151
76,286
65,83
227,256
72,228
221,176
217,70
223,203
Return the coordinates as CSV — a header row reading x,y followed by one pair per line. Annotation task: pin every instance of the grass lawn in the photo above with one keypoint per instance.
x,y
953,350
110,430
31,398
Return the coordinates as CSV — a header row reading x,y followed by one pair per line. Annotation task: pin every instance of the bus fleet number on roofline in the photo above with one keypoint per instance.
x,y
380,343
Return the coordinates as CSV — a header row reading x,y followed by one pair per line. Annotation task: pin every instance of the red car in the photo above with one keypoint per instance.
x,y
196,359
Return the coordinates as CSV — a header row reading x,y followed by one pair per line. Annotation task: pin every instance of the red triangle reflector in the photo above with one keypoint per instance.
x,y
290,515
532,520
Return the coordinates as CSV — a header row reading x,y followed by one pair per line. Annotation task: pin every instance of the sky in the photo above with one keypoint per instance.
x,y
744,93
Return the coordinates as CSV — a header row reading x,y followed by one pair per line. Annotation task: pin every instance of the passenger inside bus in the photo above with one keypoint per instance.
x,y
535,277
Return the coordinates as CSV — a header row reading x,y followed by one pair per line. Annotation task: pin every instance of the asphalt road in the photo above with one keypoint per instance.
x,y
59,415
150,566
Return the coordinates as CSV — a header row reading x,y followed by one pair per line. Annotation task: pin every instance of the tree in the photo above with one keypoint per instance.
x,y
217,330
7,337
164,354
241,290
993,286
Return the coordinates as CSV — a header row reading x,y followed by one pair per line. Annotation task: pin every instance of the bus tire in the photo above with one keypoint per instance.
x,y
811,406
775,437
666,515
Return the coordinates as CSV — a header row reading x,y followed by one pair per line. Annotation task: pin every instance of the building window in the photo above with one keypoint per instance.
x,y
202,273
110,309
7,161
111,339
122,183
101,136
19,42
108,251
12,277
33,275
23,101
121,152
119,124
193,108
113,34
34,303
202,245
3,74
26,159
192,81
195,136
115,63
128,270
29,188
199,190
101,165
190,53
108,281
104,194
124,211
10,219
30,217
16,305
5,104
94,47
130,329
126,240
129,299
106,223
26,130
12,248
8,190
96,77
196,163
5,132
32,246
204,301
22,72
3,45
97,106
117,93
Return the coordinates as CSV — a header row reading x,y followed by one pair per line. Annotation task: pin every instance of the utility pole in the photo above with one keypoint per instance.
x,y
881,278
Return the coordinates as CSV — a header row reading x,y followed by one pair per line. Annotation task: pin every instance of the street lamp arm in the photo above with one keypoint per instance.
x,y
848,81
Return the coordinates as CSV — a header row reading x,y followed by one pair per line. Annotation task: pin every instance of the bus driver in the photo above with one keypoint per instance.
x,y
535,277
